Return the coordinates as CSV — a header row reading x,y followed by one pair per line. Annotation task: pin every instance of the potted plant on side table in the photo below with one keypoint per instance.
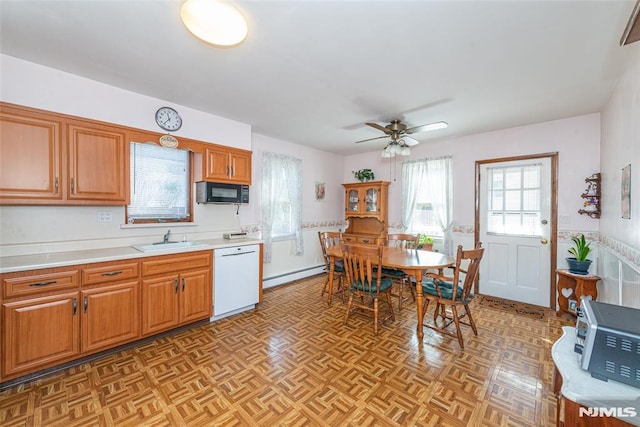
x,y
579,264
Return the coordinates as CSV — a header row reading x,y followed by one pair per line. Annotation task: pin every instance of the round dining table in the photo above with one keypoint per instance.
x,y
413,262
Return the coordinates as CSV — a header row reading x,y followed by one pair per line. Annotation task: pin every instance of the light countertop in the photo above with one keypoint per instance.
x,y
61,259
580,387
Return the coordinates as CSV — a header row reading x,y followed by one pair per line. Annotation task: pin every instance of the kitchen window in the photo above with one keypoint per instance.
x,y
281,201
160,182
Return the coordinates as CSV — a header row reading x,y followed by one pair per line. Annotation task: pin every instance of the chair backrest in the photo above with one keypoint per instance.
x,y
471,269
363,263
328,239
403,240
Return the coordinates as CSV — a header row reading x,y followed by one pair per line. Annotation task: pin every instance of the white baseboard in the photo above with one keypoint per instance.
x,y
290,277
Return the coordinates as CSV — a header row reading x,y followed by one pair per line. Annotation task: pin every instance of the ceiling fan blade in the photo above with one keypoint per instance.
x,y
428,127
379,127
410,142
372,139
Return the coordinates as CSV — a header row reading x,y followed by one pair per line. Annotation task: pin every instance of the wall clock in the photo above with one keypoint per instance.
x,y
168,119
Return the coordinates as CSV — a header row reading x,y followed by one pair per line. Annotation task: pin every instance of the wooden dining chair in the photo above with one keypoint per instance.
x,y
365,282
330,239
405,241
452,293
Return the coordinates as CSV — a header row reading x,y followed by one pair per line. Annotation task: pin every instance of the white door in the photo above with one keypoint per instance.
x,y
515,230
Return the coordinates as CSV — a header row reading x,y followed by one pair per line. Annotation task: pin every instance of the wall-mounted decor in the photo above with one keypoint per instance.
x,y
591,197
626,192
320,191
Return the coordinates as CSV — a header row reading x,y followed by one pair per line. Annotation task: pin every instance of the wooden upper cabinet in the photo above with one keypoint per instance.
x,y
53,159
366,199
223,164
98,164
30,156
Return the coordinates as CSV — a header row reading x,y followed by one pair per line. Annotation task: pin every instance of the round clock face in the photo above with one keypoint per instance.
x,y
168,118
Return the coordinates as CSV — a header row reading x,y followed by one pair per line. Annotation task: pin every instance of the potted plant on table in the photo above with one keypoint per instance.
x,y
579,264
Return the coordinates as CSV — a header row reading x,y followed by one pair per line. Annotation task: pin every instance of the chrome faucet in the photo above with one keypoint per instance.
x,y
165,239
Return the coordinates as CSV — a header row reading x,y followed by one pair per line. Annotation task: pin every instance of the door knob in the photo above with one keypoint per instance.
x,y
544,241
544,222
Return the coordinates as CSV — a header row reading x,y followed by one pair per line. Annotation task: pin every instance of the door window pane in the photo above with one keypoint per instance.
x,y
514,208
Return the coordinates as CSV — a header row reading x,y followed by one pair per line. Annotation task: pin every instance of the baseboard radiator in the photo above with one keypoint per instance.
x,y
281,279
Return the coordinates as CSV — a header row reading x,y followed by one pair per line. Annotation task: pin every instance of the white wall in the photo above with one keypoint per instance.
x,y
576,139
619,237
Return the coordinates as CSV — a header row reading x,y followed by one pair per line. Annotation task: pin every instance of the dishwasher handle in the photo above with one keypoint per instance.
x,y
240,253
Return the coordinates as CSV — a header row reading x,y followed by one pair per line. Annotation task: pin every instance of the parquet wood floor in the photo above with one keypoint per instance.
x,y
291,362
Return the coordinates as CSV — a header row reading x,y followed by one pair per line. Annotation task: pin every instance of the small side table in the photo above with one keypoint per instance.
x,y
572,287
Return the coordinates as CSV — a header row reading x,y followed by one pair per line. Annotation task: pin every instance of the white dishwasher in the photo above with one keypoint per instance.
x,y
235,279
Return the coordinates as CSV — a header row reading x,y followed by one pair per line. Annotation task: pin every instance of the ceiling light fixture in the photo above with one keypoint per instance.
x,y
214,21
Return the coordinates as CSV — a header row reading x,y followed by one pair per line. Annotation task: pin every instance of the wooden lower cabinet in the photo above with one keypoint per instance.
x,y
52,316
110,316
175,299
40,332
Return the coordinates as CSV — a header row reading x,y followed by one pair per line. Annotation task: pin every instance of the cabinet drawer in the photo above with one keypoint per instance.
x,y
367,240
178,262
109,272
15,286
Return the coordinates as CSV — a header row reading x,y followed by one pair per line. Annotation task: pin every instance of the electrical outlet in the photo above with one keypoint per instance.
x,y
104,216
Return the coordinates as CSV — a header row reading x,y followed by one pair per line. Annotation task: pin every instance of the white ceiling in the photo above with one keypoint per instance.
x,y
312,72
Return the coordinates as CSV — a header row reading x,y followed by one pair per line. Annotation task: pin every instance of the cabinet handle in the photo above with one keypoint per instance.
x,y
176,285
73,187
86,303
365,241
112,273
55,186
182,285
44,283
75,305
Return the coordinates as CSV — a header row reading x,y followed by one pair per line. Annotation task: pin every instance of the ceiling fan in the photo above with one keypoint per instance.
x,y
399,141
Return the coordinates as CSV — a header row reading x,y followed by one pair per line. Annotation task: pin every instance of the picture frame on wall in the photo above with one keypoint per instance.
x,y
625,193
320,191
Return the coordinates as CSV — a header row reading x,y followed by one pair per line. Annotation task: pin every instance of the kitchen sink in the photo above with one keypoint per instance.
x,y
156,247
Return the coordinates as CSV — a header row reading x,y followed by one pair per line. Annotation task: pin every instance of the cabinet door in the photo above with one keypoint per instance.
x,y
97,164
109,316
352,201
40,332
371,201
217,166
196,295
31,160
241,167
160,304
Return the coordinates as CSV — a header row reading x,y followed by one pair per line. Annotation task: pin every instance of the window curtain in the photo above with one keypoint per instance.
x,y
436,176
281,180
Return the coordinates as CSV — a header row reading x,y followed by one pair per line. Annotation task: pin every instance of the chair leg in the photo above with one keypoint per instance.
x,y
393,316
454,311
324,288
375,316
346,316
471,322
400,297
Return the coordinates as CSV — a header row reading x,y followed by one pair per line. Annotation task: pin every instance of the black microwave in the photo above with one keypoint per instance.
x,y
219,192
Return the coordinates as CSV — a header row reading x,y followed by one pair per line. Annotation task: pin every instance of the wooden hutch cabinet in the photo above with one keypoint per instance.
x,y
366,210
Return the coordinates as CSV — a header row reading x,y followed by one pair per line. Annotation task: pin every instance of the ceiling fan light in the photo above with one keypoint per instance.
x,y
216,22
387,154
404,151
